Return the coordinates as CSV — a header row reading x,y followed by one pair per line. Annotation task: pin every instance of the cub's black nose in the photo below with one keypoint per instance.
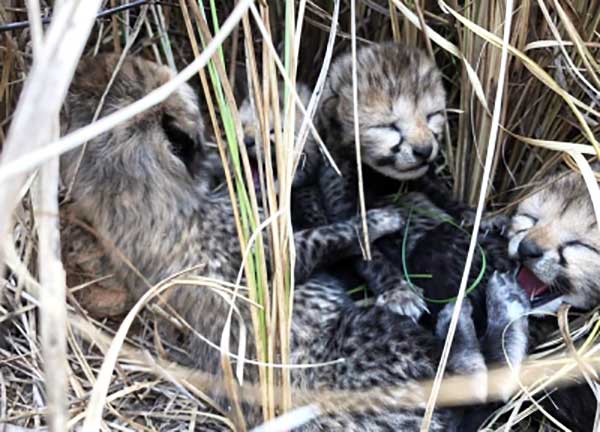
x,y
249,142
529,249
423,152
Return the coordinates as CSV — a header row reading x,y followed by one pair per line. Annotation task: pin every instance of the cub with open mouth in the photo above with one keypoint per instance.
x,y
554,233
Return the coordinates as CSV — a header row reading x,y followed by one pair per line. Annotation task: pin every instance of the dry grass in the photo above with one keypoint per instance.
x,y
505,132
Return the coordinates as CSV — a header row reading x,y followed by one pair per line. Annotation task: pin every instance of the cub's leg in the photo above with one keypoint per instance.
x,y
466,357
507,331
383,277
507,328
339,191
326,244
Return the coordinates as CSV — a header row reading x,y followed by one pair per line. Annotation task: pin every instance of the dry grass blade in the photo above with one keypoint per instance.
x,y
447,46
537,71
40,102
480,205
590,181
319,85
18,164
361,191
52,296
248,204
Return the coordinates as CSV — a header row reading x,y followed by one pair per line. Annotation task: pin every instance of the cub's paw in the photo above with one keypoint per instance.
x,y
403,300
508,328
445,316
506,301
383,221
496,224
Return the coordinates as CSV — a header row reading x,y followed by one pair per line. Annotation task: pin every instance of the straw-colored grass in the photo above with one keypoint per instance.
x,y
523,84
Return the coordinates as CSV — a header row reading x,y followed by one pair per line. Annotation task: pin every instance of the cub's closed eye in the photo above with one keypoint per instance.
x,y
430,116
528,216
388,126
577,243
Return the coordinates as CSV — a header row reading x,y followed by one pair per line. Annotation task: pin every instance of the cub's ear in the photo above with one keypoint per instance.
x,y
187,148
327,108
596,166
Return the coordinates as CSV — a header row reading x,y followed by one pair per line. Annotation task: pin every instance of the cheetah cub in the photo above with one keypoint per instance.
x,y
401,103
143,189
554,233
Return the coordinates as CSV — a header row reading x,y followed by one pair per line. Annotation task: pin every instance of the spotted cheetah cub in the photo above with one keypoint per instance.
x,y
401,103
554,233
143,189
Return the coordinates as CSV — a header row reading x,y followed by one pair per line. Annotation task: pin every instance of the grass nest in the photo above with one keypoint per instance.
x,y
546,117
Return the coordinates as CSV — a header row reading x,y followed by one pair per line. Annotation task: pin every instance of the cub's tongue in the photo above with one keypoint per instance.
x,y
530,283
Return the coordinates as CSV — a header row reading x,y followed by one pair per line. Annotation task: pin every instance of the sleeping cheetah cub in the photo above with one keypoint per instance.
x,y
555,234
401,103
142,188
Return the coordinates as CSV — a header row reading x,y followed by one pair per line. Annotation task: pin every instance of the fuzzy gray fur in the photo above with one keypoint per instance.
x,y
401,104
559,220
142,187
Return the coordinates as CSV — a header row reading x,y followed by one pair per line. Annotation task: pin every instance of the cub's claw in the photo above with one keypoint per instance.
x,y
505,299
489,224
383,221
403,301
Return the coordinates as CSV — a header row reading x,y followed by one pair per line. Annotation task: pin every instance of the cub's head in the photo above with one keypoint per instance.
x,y
401,103
158,153
555,235
250,124
253,137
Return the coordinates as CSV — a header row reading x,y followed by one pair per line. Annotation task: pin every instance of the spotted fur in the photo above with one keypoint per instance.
x,y
143,188
554,233
401,109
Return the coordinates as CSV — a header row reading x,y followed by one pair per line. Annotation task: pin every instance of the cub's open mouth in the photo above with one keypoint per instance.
x,y
414,168
254,167
255,172
539,293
